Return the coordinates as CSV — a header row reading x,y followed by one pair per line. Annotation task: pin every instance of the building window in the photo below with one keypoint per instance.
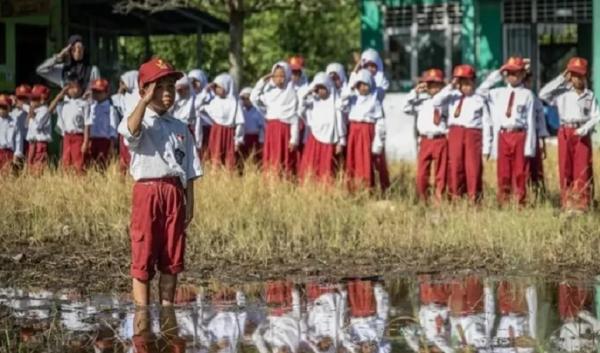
x,y
419,37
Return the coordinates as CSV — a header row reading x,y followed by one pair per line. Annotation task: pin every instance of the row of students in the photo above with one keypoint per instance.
x,y
458,123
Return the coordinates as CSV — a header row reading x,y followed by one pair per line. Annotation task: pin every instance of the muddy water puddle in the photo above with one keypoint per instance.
x,y
423,313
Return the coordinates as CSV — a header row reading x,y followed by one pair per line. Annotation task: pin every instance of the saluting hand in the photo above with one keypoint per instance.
x,y
267,77
421,87
149,93
64,53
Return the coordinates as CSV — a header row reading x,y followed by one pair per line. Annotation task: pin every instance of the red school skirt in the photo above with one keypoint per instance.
x,y
361,164
221,146
279,297
318,160
277,156
361,297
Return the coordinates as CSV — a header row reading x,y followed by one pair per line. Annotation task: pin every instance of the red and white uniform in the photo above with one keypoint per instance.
x,y
103,121
368,313
38,137
11,142
366,135
282,122
518,317
326,315
217,324
381,82
72,114
515,130
433,144
579,114
469,135
227,131
326,130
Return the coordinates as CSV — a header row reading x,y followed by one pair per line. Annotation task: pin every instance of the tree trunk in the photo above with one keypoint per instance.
x,y
236,39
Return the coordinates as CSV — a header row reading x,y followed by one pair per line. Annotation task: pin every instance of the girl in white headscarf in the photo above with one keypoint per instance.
x,y
125,100
275,94
199,82
254,127
371,61
366,135
184,107
326,129
227,117
337,73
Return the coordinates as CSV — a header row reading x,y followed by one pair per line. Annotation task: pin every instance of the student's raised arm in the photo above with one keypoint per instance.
x,y
134,120
485,87
257,91
554,88
59,97
51,68
444,96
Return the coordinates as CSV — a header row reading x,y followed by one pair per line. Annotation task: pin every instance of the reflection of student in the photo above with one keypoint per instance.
x,y
221,326
368,312
579,327
326,315
281,331
471,313
434,324
517,307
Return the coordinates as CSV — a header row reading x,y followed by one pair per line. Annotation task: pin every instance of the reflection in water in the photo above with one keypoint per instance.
x,y
428,313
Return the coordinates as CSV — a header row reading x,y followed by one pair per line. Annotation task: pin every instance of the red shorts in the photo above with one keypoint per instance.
x,y
157,227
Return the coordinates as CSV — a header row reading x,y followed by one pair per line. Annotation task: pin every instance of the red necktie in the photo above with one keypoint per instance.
x,y
511,101
459,106
437,117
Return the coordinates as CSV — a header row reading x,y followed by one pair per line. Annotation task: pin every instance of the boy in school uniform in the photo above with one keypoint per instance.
x,y
72,110
101,124
38,129
432,129
254,127
20,109
579,113
513,112
164,164
469,133
11,142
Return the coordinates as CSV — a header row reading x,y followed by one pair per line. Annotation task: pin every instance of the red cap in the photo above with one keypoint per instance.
x,y
432,75
464,71
296,62
40,91
100,85
578,66
23,91
5,101
155,69
514,63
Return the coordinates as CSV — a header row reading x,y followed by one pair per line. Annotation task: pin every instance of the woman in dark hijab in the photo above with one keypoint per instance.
x,y
72,62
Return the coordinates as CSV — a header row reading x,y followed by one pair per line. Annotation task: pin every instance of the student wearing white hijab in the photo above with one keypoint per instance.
x,y
371,61
326,129
275,94
337,73
125,100
254,127
366,133
225,113
199,82
184,107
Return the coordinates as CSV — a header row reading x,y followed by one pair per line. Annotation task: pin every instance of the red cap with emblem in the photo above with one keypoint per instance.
x,y
433,75
40,91
578,66
5,101
514,63
464,71
296,62
100,85
23,91
156,69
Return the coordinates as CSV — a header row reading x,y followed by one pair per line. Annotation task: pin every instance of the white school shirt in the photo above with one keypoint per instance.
x,y
421,105
523,113
254,121
10,135
264,95
578,335
103,120
572,107
474,113
371,328
224,325
72,114
39,126
326,317
325,119
20,116
225,112
351,103
163,148
522,325
184,109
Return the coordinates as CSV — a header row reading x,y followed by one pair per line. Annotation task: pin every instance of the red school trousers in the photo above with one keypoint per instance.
x,y
157,227
100,151
512,166
574,169
433,152
37,156
465,167
6,159
361,164
252,148
72,158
